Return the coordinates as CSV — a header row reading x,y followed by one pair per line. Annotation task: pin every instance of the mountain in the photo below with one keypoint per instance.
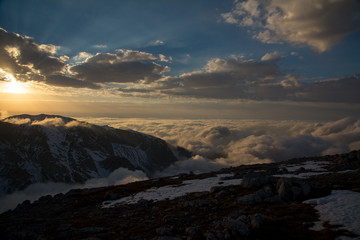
x,y
53,148
306,198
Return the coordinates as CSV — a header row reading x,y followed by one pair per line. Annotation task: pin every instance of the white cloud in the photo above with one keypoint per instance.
x,y
235,142
274,56
18,121
156,43
318,24
100,46
83,56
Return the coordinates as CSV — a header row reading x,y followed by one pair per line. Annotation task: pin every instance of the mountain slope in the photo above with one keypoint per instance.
x,y
46,148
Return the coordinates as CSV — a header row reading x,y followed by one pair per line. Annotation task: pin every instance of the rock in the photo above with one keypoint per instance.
x,y
88,230
210,236
192,230
283,187
256,179
256,220
216,189
249,199
222,193
167,238
265,192
109,196
305,189
236,214
273,199
164,230
45,199
144,203
240,227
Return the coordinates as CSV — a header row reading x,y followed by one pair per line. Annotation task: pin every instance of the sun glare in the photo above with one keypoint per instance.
x,y
11,85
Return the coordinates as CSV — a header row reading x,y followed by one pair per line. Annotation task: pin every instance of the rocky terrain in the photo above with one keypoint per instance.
x,y
47,148
266,201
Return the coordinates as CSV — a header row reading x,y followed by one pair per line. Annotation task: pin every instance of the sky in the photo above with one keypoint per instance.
x,y
252,59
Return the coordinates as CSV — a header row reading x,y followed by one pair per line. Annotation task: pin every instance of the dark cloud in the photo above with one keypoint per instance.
x,y
28,61
65,81
21,55
237,78
121,67
225,79
336,90
318,24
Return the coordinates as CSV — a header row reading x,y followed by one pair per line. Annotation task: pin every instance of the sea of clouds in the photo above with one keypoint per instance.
x,y
215,144
222,143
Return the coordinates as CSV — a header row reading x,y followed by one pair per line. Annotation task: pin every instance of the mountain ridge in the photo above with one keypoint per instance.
x,y
42,148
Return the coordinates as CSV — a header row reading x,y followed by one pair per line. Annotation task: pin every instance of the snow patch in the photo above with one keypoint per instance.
x,y
135,155
172,192
340,207
301,175
309,165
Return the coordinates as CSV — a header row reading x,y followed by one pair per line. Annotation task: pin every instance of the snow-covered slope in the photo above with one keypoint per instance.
x,y
46,148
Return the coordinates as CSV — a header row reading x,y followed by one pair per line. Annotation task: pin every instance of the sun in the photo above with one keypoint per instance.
x,y
15,87
11,85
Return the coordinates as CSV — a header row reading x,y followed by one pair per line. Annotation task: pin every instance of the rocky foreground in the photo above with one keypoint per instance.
x,y
266,203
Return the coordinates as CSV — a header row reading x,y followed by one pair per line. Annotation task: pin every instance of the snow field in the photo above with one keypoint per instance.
x,y
340,207
172,192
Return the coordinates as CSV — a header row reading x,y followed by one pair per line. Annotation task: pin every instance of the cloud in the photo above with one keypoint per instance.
x,y
82,56
100,46
34,191
274,56
156,43
66,81
318,24
18,121
21,56
224,79
196,164
47,122
238,78
26,60
219,143
124,66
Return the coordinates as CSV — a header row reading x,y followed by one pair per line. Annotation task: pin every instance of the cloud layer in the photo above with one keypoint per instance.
x,y
318,24
218,143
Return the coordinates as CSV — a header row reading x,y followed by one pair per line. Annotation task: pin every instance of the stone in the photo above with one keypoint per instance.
x,y
254,180
192,230
109,196
249,199
256,220
238,226
284,190
164,230
210,236
265,192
